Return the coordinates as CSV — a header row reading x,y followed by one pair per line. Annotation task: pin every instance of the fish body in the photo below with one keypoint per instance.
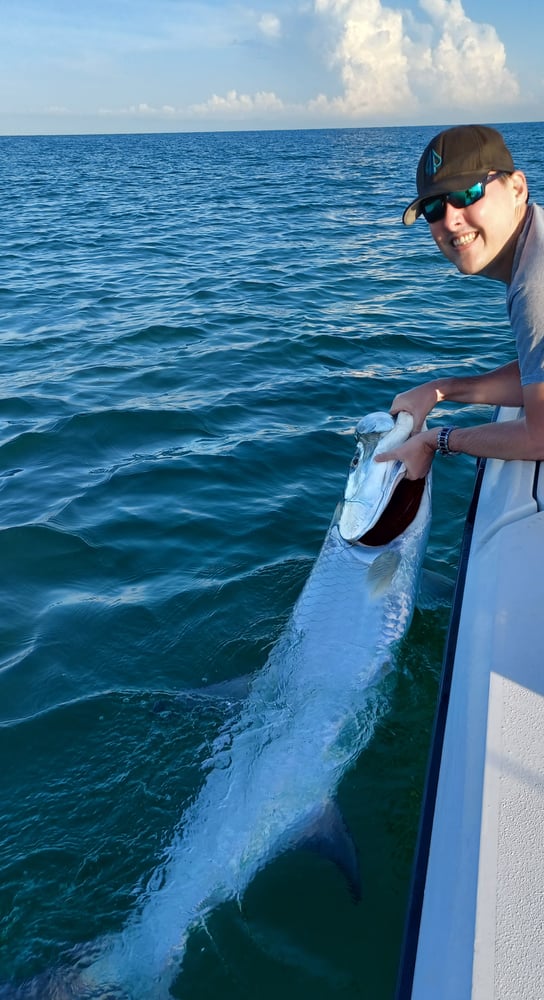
x,y
273,777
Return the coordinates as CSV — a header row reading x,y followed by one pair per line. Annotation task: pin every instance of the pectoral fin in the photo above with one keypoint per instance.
x,y
382,571
227,692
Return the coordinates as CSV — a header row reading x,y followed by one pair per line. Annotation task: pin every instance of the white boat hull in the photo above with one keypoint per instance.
x,y
477,930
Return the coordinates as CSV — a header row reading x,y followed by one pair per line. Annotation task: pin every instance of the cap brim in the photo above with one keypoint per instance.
x,y
412,212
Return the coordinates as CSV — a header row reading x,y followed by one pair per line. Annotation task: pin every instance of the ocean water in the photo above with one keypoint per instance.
x,y
191,326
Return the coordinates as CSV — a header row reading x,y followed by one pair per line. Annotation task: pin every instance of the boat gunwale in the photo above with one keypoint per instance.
x,y
409,949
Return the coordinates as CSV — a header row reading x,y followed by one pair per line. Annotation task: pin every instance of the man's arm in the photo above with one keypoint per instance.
x,y
501,387
511,439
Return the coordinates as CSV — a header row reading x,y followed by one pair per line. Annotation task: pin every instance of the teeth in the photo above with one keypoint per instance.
x,y
461,241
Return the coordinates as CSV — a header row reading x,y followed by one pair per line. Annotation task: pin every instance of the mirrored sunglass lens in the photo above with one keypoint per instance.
x,y
462,199
434,209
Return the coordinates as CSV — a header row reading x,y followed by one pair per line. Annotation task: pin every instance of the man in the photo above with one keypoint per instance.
x,y
476,205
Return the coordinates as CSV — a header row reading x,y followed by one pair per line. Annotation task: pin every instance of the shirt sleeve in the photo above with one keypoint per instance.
x,y
525,301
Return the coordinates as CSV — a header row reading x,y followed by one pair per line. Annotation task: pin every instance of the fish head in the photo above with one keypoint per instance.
x,y
370,485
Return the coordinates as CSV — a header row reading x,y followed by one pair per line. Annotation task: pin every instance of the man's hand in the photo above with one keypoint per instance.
x,y
416,453
418,401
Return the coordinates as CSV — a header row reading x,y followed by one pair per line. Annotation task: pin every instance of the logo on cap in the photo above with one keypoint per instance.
x,y
433,163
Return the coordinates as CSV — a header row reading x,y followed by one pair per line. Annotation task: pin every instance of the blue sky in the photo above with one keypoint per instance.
x,y
199,65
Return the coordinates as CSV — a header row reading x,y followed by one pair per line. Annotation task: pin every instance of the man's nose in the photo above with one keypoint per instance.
x,y
453,216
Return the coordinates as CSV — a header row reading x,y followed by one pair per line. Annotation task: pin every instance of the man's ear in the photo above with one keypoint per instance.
x,y
521,188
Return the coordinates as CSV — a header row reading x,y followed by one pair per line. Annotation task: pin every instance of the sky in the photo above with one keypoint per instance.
x,y
96,66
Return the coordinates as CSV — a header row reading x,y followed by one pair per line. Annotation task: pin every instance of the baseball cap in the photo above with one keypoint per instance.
x,y
454,160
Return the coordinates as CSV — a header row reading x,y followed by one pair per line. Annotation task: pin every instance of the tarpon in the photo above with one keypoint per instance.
x,y
273,777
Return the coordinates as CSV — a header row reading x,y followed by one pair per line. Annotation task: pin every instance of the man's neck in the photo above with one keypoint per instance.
x,y
500,269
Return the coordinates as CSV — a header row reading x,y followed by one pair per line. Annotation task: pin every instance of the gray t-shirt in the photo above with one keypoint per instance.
x,y
525,297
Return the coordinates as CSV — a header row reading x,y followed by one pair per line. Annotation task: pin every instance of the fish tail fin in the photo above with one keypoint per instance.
x,y
328,834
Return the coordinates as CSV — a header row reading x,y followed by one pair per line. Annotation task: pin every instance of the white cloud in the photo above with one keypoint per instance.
x,y
391,63
371,54
468,62
142,109
235,103
270,26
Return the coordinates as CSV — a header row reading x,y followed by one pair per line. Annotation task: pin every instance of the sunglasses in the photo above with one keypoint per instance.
x,y
434,209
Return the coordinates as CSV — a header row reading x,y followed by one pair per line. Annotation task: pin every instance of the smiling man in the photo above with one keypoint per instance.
x,y
476,205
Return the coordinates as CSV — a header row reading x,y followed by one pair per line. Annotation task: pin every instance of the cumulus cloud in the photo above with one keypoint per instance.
x,y
270,26
143,109
235,104
468,61
398,64
371,54
392,62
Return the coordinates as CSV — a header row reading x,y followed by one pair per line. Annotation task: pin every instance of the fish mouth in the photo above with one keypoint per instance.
x,y
379,502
